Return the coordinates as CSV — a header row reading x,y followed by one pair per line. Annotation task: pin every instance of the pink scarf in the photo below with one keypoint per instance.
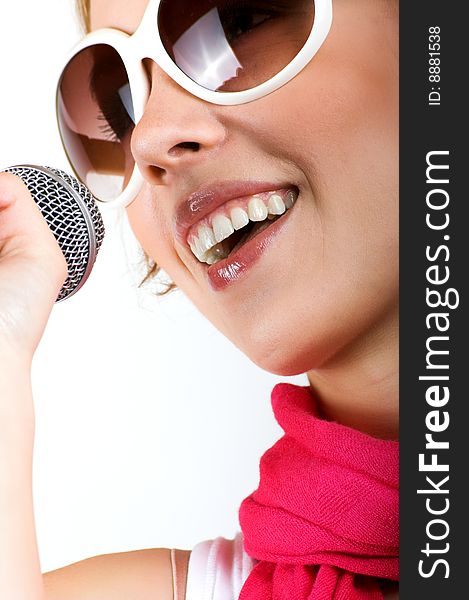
x,y
324,522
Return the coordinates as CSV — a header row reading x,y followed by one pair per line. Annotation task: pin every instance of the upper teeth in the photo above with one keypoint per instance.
x,y
239,218
276,205
222,227
206,238
257,210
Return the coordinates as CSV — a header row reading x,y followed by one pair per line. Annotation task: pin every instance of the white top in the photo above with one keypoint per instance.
x,y
218,569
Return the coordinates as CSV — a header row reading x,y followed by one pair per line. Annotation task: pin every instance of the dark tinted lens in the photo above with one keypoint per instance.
x,y
96,119
234,45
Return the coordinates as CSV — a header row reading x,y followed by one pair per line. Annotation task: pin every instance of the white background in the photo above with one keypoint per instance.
x,y
149,424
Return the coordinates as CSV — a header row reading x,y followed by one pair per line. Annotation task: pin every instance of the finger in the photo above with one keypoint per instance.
x,y
21,222
24,231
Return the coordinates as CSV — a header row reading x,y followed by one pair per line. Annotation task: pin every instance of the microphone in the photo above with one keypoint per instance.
x,y
73,217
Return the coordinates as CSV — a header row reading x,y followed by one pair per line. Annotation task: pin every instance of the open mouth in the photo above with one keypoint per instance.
x,y
229,227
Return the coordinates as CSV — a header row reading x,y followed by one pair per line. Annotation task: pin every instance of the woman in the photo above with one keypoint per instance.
x,y
309,171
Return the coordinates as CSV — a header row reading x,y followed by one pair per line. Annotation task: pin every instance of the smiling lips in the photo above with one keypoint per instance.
x,y
213,237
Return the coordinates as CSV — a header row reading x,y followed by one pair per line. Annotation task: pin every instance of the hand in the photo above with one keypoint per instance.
x,y
32,272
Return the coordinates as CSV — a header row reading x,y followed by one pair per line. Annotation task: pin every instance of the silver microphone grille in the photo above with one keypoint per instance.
x,y
73,217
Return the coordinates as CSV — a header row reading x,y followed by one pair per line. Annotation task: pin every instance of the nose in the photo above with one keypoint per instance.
x,y
177,130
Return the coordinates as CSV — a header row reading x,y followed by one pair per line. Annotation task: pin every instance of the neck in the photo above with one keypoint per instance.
x,y
359,386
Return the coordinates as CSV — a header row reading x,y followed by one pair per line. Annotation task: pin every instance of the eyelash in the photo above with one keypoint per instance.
x,y
115,126
262,11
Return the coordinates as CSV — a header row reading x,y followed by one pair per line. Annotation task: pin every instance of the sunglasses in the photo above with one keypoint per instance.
x,y
226,52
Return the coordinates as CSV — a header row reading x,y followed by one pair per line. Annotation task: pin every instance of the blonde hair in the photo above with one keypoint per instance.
x,y
83,10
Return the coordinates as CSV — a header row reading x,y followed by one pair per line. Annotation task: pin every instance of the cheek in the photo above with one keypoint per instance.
x,y
339,122
150,227
345,101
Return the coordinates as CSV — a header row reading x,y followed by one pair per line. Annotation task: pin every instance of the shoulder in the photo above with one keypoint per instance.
x,y
144,574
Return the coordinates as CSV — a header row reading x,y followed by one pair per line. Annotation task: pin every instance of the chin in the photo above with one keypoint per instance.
x,y
283,361
284,347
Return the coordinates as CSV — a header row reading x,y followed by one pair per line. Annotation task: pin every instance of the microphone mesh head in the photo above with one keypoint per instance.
x,y
73,217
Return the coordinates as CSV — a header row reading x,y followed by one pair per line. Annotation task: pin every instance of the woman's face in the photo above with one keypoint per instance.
x,y
324,274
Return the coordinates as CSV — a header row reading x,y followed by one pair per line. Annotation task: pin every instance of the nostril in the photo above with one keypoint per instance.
x,y
181,148
190,146
157,173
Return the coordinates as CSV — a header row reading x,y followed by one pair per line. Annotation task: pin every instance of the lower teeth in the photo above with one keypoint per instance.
x,y
217,253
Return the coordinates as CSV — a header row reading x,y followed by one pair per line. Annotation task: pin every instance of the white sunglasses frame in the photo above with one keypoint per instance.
x,y
146,43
